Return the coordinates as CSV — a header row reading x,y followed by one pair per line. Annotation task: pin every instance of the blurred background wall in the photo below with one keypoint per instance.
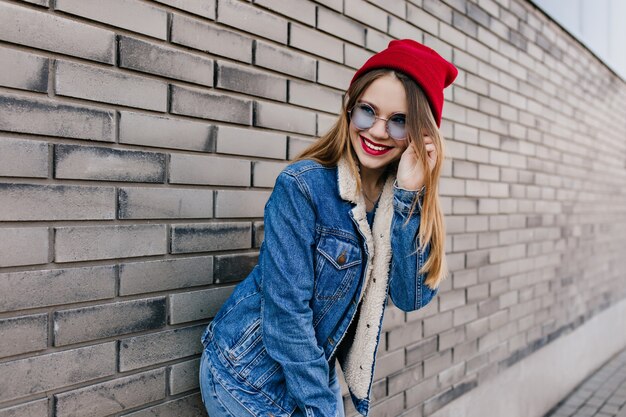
x,y
140,140
598,24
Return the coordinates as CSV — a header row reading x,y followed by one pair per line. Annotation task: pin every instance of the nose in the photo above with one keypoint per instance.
x,y
379,129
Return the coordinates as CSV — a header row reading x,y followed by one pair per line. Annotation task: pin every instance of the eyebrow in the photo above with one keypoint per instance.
x,y
375,107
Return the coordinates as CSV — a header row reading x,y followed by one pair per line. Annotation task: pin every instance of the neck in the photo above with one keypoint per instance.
x,y
371,178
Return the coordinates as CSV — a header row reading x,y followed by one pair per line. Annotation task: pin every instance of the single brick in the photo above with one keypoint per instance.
x,y
111,397
23,70
334,75
240,203
423,20
324,123
424,348
45,117
439,9
167,274
107,320
238,141
164,203
340,26
210,38
165,132
376,41
188,406
55,370
204,8
314,96
197,305
389,364
108,242
403,336
264,173
234,267
258,232
43,3
56,202
184,376
366,13
210,237
399,28
133,15
356,56
333,4
249,81
315,42
251,19
23,246
31,289
51,32
23,158
106,164
463,23
297,145
210,170
300,10
214,106
109,86
169,62
395,7
284,60
282,117
139,351
23,334
37,408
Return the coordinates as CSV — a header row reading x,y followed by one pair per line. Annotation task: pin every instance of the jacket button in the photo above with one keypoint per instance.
x,y
341,259
331,341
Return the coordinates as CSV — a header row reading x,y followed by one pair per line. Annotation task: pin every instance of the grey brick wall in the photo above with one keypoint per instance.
x,y
140,141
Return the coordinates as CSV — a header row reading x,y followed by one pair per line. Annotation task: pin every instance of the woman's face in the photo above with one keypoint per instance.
x,y
386,96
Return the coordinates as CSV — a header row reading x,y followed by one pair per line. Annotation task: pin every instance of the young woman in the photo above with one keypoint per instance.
x,y
356,218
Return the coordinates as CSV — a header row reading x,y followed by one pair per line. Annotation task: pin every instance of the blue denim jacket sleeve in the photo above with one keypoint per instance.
x,y
406,285
287,287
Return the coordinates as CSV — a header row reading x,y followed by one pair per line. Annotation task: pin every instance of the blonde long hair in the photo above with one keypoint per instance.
x,y
336,143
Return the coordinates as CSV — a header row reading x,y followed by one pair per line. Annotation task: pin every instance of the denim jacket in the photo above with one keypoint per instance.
x,y
277,334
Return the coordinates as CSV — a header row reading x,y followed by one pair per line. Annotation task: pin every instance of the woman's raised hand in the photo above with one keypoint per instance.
x,y
410,174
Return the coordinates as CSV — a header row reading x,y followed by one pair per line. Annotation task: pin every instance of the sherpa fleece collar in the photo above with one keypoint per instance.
x,y
358,368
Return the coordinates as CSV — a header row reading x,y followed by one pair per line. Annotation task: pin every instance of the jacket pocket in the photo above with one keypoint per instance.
x,y
337,263
250,338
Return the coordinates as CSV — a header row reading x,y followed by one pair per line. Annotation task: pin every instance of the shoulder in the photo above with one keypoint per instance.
x,y
309,175
302,167
310,172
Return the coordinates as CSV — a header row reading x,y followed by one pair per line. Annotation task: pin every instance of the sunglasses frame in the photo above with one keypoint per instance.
x,y
377,117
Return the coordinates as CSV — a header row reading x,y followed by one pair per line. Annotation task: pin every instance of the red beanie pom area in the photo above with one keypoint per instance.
x,y
431,72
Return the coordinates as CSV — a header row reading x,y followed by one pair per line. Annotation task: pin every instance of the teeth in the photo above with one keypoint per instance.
x,y
376,148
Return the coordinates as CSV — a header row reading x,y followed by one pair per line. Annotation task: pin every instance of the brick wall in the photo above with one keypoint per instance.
x,y
139,142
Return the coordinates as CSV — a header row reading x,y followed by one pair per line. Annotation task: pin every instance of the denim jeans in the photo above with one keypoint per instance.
x,y
220,403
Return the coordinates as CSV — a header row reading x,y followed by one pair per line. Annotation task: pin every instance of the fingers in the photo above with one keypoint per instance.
x,y
429,145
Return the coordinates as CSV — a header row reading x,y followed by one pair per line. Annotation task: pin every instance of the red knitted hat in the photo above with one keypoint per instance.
x,y
431,72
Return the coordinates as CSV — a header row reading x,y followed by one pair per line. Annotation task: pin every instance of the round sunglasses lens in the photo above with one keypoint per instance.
x,y
363,117
397,130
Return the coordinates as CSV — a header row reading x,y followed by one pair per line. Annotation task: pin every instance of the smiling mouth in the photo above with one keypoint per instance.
x,y
372,148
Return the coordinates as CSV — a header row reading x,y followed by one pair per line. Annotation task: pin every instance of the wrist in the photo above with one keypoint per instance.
x,y
403,186
408,185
